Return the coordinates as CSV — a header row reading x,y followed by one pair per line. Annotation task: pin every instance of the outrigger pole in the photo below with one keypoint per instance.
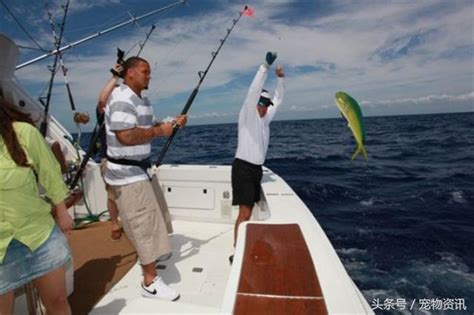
x,y
57,44
61,62
110,29
202,75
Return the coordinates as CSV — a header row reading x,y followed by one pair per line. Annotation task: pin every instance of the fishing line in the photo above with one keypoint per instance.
x,y
164,77
41,97
30,48
61,60
110,29
133,46
153,27
202,76
57,44
141,44
22,27
97,27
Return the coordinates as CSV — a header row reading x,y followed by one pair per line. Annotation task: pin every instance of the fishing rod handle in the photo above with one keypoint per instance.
x,y
95,136
176,127
166,146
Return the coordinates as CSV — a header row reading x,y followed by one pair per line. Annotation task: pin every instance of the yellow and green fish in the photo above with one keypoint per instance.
x,y
352,113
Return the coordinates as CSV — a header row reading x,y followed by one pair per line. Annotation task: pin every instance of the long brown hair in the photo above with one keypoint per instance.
x,y
8,115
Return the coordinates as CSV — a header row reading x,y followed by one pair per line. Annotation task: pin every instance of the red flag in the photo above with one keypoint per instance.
x,y
248,11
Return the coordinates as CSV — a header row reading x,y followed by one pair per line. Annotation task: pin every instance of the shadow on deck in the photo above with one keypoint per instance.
x,y
99,263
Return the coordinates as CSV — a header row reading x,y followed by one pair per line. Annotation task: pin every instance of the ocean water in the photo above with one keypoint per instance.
x,y
402,223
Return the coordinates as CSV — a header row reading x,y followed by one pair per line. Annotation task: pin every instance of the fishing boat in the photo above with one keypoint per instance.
x,y
283,261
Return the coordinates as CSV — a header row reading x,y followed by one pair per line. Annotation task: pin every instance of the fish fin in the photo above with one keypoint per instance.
x,y
360,149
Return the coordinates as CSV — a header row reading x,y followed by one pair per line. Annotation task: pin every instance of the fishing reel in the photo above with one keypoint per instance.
x,y
120,61
81,118
72,169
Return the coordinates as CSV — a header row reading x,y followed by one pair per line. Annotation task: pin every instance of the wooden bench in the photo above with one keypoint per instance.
x,y
278,275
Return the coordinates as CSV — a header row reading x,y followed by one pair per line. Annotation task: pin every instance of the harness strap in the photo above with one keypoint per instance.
x,y
144,164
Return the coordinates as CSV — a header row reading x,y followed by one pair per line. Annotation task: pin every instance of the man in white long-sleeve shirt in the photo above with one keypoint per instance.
x,y
256,114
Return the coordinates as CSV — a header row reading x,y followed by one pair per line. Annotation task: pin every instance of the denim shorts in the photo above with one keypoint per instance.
x,y
21,265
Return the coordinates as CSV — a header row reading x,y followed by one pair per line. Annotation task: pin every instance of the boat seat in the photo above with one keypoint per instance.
x,y
278,274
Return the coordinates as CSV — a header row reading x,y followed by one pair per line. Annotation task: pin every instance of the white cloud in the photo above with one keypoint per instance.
x,y
345,41
424,100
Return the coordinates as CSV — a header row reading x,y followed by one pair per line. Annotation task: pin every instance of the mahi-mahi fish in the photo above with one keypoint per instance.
x,y
352,113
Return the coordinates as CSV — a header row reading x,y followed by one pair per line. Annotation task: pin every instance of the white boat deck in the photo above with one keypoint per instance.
x,y
203,224
198,268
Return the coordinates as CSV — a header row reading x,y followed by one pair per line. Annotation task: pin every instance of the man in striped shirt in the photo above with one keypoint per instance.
x,y
130,129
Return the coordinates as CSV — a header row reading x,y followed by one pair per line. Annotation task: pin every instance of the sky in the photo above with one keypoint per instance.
x,y
394,57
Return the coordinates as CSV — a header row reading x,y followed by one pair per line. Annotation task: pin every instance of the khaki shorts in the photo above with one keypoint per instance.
x,y
110,194
143,220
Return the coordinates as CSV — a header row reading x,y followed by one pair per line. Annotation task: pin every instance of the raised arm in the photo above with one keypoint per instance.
x,y
255,88
279,93
108,88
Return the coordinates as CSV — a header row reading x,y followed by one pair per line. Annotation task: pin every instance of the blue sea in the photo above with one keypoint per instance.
x,y
402,222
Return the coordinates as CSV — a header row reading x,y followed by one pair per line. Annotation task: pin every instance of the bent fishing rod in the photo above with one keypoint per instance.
x,y
202,75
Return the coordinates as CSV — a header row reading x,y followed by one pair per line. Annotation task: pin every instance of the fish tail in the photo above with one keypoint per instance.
x,y
364,152
360,149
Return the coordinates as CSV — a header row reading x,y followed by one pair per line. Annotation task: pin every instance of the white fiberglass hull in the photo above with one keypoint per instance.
x,y
199,199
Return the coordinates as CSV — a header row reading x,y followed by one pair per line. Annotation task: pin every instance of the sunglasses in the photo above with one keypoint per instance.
x,y
263,102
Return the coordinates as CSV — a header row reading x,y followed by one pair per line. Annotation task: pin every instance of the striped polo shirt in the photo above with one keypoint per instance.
x,y
126,110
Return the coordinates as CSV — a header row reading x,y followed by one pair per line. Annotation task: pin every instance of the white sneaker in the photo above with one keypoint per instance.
x,y
159,290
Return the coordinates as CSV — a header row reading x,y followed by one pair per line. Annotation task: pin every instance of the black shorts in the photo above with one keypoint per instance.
x,y
246,187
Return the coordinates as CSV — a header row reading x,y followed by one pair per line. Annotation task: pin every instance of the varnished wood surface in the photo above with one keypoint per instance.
x,y
278,272
99,263
250,305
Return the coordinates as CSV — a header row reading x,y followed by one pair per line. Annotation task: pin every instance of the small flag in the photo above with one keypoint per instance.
x,y
248,11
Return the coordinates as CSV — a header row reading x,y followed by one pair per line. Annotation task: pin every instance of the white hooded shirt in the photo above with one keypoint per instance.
x,y
254,131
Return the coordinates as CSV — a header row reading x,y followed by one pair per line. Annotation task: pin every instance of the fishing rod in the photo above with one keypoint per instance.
x,y
202,75
146,39
57,44
61,62
100,33
121,54
92,147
